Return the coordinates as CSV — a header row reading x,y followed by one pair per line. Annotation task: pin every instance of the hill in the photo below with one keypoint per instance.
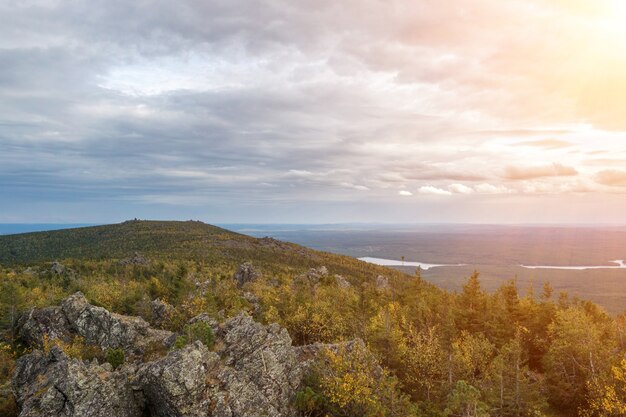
x,y
174,241
426,351
187,239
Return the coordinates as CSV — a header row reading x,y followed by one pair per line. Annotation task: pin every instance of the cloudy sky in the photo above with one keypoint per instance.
x,y
313,111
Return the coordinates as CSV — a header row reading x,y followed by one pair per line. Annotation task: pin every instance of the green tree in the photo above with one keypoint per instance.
x,y
472,306
513,389
464,401
578,355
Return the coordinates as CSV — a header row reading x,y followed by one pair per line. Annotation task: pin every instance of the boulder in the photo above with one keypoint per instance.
x,y
246,273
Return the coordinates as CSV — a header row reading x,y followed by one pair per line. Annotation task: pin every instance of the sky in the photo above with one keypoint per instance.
x,y
278,111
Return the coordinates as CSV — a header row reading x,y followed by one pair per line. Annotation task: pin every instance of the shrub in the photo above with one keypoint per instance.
x,y
308,401
154,350
198,331
75,349
181,342
115,357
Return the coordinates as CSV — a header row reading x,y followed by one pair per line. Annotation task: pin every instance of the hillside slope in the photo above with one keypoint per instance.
x,y
116,240
173,241
438,353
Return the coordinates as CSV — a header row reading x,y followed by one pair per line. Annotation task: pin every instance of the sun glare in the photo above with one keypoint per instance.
x,y
615,13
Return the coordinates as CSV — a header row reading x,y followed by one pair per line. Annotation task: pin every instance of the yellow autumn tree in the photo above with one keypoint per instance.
x,y
349,382
610,400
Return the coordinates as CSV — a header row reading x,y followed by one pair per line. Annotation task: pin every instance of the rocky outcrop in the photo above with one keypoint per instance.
x,y
246,273
382,282
253,371
54,385
342,282
262,371
57,268
96,325
254,302
33,326
136,259
161,311
312,277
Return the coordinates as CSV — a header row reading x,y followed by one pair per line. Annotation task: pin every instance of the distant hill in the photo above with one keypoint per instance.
x,y
15,228
171,240
116,241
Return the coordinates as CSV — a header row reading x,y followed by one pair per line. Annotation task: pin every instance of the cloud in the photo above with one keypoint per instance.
x,y
612,177
546,143
405,193
107,105
428,189
526,173
486,188
354,186
460,189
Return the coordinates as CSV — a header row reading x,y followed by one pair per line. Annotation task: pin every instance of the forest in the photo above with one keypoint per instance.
x,y
426,351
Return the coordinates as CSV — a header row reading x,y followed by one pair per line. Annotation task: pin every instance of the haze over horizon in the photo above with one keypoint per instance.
x,y
316,112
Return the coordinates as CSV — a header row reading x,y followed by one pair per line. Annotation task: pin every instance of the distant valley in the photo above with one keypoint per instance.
x,y
496,251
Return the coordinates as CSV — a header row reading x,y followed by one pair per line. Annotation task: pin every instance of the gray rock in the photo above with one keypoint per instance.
x,y
312,277
204,317
51,321
55,385
262,372
382,282
254,302
96,325
136,259
255,371
109,330
246,273
342,282
162,312
57,268
181,384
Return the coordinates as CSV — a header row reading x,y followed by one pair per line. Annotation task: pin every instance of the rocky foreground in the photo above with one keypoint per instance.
x,y
253,371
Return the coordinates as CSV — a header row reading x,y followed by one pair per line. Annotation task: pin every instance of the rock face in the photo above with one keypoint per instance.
x,y
262,371
54,385
246,273
51,321
182,383
254,371
96,325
